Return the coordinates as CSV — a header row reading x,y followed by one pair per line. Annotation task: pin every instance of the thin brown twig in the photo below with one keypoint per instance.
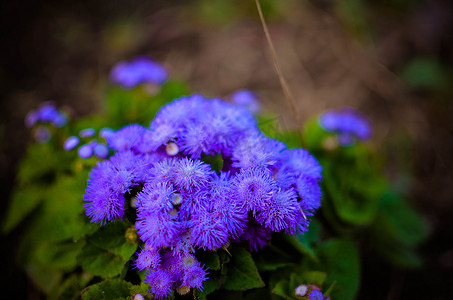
x,y
288,95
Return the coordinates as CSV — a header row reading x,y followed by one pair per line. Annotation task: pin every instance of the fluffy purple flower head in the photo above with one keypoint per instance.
x,y
299,162
316,295
208,232
147,259
348,123
156,197
253,188
126,138
161,283
257,150
310,192
191,174
248,99
139,70
279,213
107,184
194,277
158,230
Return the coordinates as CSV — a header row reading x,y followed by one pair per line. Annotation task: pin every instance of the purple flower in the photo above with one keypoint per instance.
x,y
156,197
348,124
194,277
107,184
101,150
158,230
257,235
42,134
126,138
184,205
161,283
147,259
140,70
299,162
316,295
88,132
60,120
279,213
47,112
86,151
105,132
31,118
253,188
71,142
257,150
310,192
248,99
207,231
189,174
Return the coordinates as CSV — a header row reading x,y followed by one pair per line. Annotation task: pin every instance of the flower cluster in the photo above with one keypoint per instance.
x,y
185,203
140,70
309,292
47,114
348,124
93,147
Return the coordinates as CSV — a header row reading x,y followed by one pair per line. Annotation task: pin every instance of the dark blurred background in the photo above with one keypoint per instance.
x,y
391,59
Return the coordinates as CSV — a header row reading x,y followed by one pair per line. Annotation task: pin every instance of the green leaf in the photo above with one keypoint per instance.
x,y
62,214
281,289
400,221
211,260
23,201
210,286
111,237
314,277
397,231
142,289
340,260
71,288
304,243
354,197
39,165
271,258
99,262
44,277
109,289
314,136
87,229
215,161
60,256
242,272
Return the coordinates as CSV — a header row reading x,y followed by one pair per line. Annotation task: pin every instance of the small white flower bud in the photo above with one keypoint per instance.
x,y
172,149
301,290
